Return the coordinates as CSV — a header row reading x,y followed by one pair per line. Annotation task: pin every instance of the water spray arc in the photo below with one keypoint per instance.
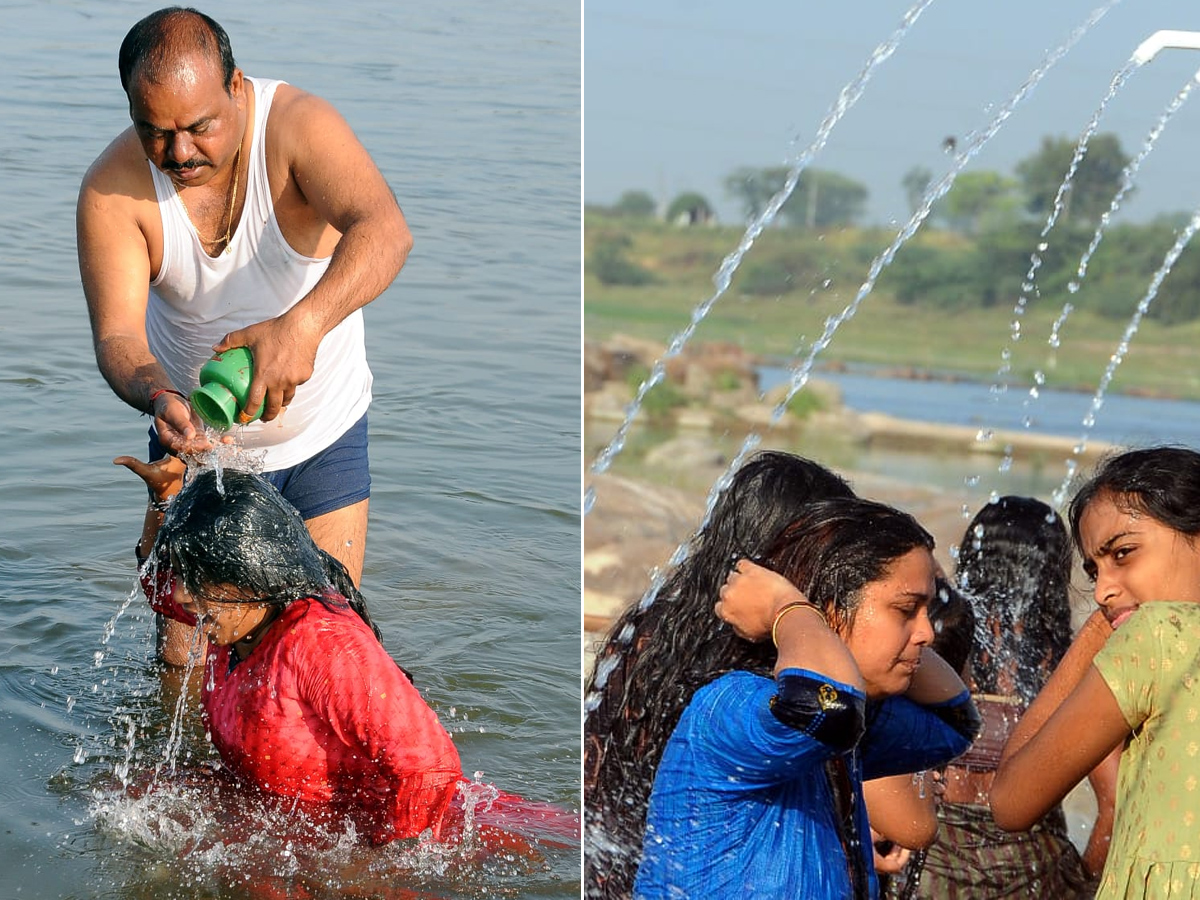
x,y
849,95
1145,52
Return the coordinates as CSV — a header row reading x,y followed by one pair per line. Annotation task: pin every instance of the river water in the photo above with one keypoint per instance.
x,y
472,111
1122,419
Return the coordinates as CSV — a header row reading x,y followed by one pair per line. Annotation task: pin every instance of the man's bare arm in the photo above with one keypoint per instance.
x,y
114,267
341,182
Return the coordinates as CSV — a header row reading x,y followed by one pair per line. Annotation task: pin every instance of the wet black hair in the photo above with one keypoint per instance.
x,y
1015,564
159,37
659,653
838,546
953,620
1162,482
233,528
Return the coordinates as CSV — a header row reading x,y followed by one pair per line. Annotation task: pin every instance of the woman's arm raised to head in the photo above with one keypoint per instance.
x,y
760,604
902,808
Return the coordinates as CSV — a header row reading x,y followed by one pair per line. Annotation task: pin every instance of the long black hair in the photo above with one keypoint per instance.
x,y
837,547
659,653
1015,565
233,528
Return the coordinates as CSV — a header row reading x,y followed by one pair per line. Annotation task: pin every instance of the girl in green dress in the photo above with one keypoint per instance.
x,y
1131,678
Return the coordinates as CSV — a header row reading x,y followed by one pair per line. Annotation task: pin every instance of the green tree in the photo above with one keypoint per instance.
x,y
916,182
979,201
635,203
610,264
689,208
1095,182
822,199
945,277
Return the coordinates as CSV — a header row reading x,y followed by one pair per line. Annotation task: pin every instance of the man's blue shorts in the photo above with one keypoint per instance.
x,y
337,477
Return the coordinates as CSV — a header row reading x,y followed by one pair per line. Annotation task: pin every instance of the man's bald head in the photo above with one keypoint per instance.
x,y
164,42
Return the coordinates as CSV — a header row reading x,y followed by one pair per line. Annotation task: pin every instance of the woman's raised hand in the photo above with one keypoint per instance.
x,y
750,597
163,477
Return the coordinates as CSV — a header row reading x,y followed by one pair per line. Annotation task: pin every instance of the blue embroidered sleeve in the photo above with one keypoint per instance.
x,y
730,727
903,736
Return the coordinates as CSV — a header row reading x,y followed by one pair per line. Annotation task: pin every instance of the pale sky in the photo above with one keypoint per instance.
x,y
679,93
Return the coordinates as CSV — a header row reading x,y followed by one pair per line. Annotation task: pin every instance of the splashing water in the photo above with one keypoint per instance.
x,y
800,373
223,453
1128,177
1118,355
724,275
975,143
175,738
1029,288
208,835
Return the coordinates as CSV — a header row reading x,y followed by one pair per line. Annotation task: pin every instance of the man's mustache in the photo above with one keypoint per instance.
x,y
186,164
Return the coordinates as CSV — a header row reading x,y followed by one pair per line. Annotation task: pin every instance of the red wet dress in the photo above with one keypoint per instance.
x,y
318,711
321,713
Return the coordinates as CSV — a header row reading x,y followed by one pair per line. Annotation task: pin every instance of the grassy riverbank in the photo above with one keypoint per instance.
x,y
885,333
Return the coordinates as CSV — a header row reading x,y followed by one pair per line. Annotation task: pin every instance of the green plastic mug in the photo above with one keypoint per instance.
x,y
224,385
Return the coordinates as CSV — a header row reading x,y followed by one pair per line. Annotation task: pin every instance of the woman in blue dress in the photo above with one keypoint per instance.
x,y
759,789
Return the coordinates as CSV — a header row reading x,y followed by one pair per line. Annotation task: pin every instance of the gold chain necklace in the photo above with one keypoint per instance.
x,y
224,238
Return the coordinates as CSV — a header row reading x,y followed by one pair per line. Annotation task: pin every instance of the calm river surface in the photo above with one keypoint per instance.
x,y
472,111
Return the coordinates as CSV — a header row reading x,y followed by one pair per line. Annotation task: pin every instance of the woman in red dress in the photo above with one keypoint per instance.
x,y
300,697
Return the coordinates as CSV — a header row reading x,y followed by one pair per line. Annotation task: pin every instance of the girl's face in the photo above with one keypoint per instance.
x,y
1132,558
891,625
225,622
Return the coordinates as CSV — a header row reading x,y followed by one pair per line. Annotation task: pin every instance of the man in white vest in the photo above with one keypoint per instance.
x,y
240,212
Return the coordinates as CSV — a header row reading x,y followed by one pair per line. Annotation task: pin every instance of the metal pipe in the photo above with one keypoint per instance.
x,y
1160,40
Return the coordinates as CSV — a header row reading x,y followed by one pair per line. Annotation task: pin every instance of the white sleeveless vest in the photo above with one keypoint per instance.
x,y
196,300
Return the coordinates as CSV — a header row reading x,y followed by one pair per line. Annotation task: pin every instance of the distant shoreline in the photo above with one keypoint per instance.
x,y
953,376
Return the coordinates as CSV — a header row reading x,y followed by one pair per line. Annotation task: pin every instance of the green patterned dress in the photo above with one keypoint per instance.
x,y
1152,665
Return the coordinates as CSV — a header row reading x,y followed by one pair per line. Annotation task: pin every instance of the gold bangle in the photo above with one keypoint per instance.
x,y
798,604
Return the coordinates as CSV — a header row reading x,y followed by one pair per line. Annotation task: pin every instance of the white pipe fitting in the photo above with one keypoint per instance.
x,y
1160,40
